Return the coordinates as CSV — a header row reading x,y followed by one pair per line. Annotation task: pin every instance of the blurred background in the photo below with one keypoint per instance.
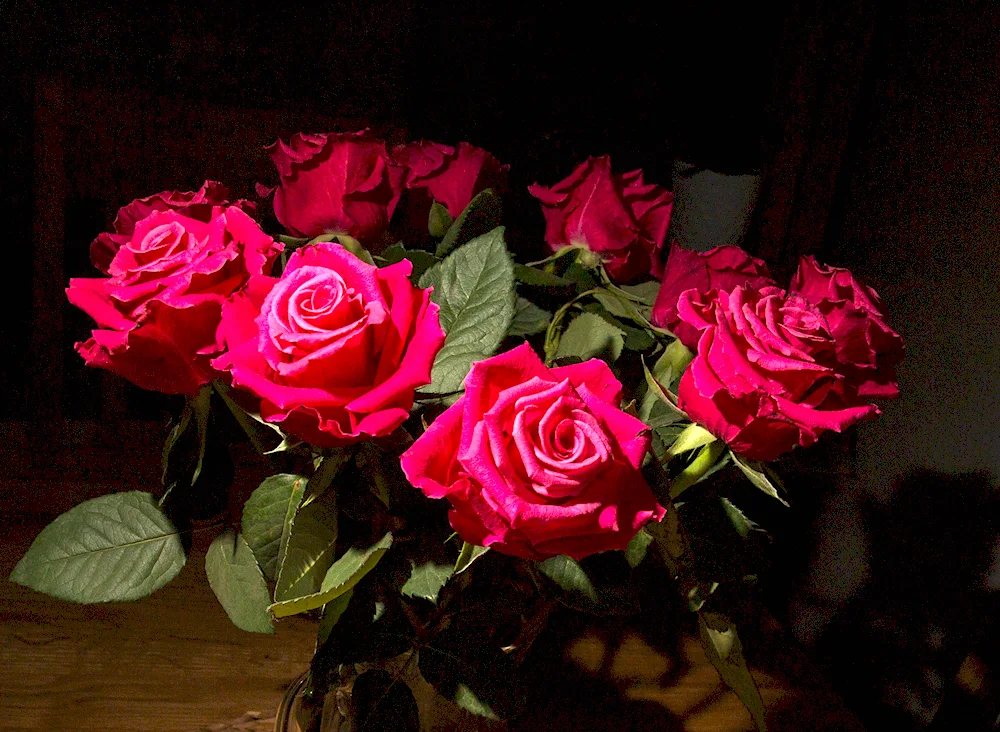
x,y
867,133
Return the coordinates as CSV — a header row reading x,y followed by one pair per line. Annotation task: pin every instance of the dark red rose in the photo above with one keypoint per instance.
x,y
618,217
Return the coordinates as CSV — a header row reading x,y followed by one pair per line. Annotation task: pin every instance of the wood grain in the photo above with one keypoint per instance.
x,y
174,663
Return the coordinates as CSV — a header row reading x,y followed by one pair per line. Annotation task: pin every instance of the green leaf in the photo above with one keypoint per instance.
x,y
439,220
482,215
238,584
332,613
421,260
723,648
644,293
326,471
342,576
622,307
529,319
348,242
426,580
677,357
636,550
691,438
657,391
308,553
267,518
569,575
590,336
739,520
108,549
699,468
195,413
264,436
466,698
474,288
755,473
469,554
539,278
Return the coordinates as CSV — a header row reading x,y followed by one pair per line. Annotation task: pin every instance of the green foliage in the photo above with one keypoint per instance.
x,y
466,698
540,278
637,549
264,436
591,336
421,260
309,550
333,611
754,471
698,468
439,220
427,579
644,293
238,583
349,243
529,319
569,575
474,288
482,215
723,648
737,518
691,438
469,554
108,549
341,576
267,518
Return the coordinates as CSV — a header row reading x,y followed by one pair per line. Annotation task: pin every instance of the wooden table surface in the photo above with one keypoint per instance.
x,y
174,662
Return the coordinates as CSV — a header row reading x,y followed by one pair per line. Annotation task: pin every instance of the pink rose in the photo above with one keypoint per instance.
x,y
451,176
722,268
200,204
769,373
334,348
616,216
867,347
335,183
158,312
537,462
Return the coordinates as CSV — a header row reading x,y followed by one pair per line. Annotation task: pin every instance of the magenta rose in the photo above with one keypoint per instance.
x,y
722,268
201,204
335,348
867,347
341,183
537,462
158,311
769,372
618,217
449,175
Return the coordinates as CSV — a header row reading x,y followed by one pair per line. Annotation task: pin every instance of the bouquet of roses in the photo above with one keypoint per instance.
x,y
460,441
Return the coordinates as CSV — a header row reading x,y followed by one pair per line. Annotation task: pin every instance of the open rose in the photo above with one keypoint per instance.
x,y
722,268
158,312
616,216
335,183
536,461
867,347
449,175
773,370
201,205
334,348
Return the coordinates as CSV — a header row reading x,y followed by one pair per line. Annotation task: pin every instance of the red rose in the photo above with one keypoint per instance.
x,y
769,373
867,347
537,462
334,348
722,268
198,204
451,176
616,216
335,183
159,310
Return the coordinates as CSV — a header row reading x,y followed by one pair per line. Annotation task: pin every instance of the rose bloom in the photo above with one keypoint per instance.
x,y
452,176
775,369
342,183
721,268
335,348
170,272
537,462
618,217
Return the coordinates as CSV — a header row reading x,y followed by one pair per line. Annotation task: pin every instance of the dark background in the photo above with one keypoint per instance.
x,y
875,125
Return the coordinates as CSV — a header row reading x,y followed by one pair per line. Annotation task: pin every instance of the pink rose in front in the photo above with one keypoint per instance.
x,y
775,370
452,176
158,311
721,268
537,462
867,347
618,217
335,348
341,183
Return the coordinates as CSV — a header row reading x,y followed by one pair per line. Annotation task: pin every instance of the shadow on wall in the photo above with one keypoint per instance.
x,y
897,594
